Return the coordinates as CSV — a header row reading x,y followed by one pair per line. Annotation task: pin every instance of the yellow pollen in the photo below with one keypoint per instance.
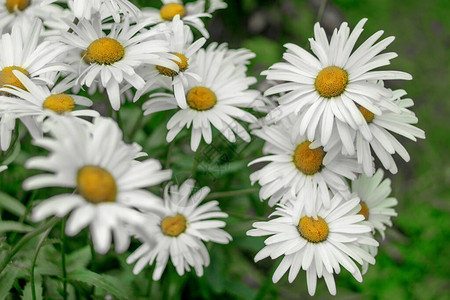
x,y
364,210
59,103
104,51
13,5
308,161
183,65
314,231
170,10
7,77
367,114
331,82
173,226
96,184
201,98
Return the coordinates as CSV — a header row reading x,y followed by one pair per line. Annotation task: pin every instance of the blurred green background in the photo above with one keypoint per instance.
x,y
413,260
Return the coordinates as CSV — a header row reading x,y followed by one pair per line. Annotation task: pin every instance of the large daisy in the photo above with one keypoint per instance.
x,y
114,57
181,45
107,179
179,231
216,99
331,85
318,243
297,164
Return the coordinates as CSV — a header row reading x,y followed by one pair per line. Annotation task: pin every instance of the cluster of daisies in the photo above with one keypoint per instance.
x,y
326,116
329,117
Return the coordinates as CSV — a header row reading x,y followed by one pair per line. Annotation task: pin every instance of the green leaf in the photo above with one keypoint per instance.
x,y
104,282
6,226
7,278
12,205
27,294
79,258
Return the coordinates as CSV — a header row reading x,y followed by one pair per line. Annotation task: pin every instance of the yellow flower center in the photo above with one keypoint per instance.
x,y
13,5
96,184
173,226
308,161
201,98
104,51
7,77
86,58
364,210
314,231
331,82
170,10
182,65
59,103
367,114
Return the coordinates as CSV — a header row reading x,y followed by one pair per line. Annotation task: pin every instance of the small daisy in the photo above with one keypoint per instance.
x,y
297,163
377,134
107,179
114,57
180,230
217,99
318,243
190,13
330,87
18,11
33,103
24,53
376,205
181,45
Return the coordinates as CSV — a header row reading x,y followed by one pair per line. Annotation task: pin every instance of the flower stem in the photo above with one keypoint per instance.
x,y
63,257
25,239
232,193
321,11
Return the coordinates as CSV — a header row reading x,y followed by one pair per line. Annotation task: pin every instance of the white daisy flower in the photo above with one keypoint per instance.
x,y
376,205
190,13
108,180
24,53
216,99
34,103
114,57
330,87
318,243
181,45
86,9
376,134
19,11
3,168
181,228
297,164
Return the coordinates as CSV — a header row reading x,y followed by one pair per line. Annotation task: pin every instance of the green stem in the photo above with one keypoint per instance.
x,y
195,164
63,257
232,193
119,120
321,11
27,209
33,265
244,217
25,239
169,154
150,282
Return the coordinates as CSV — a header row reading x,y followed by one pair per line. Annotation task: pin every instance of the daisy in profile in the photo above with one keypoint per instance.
x,y
181,45
298,164
36,102
23,52
114,57
330,85
181,228
190,13
216,99
376,137
319,243
376,205
19,11
107,179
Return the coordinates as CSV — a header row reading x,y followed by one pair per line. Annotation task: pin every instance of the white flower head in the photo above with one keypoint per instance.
x,y
114,57
376,204
297,164
181,228
319,243
217,99
330,85
107,179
